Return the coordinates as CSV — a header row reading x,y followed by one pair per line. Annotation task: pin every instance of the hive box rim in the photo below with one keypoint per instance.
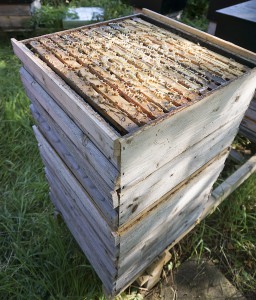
x,y
202,37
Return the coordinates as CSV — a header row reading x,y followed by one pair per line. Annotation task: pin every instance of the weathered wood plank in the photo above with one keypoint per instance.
x,y
77,168
136,198
86,85
82,239
170,136
15,10
239,51
92,155
68,31
82,199
140,244
234,181
88,120
249,123
168,200
248,133
11,22
253,104
251,114
84,162
227,66
107,262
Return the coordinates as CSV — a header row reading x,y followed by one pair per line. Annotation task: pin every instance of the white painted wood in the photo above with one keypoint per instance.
x,y
163,225
78,170
135,199
155,144
81,113
83,241
92,155
238,51
82,199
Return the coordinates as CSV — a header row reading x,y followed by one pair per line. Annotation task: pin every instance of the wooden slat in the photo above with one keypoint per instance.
x,y
82,199
92,79
68,31
144,66
134,199
81,173
253,104
140,244
154,37
239,51
81,238
14,10
12,22
85,86
177,132
250,114
92,155
90,122
249,123
228,67
65,199
234,181
248,133
84,56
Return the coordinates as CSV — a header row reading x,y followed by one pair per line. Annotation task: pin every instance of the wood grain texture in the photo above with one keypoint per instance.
x,y
80,112
249,124
234,181
60,201
91,154
238,51
161,226
12,22
136,198
174,134
73,164
81,197
14,10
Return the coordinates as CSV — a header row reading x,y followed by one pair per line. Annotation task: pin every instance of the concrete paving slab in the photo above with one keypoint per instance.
x,y
195,281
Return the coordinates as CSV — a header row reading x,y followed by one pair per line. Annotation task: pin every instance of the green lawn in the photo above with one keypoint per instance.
x,y
39,259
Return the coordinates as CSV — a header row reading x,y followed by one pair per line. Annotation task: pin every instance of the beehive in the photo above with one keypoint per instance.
x,y
134,121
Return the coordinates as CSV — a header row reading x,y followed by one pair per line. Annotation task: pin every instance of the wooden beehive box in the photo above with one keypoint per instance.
x,y
15,15
135,117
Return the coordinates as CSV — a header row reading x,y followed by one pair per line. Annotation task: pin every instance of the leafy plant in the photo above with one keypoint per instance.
x,y
195,14
51,17
112,8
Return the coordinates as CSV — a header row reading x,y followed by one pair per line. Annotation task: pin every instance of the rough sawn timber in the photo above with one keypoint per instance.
x,y
156,180
78,110
157,228
172,135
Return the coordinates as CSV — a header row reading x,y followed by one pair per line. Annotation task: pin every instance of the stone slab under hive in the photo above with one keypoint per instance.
x,y
134,119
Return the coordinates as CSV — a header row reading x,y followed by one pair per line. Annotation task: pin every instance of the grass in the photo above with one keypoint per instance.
x,y
39,259
228,237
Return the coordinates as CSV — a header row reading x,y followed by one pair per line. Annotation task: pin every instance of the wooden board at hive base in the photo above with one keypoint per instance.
x,y
166,221
248,125
119,257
